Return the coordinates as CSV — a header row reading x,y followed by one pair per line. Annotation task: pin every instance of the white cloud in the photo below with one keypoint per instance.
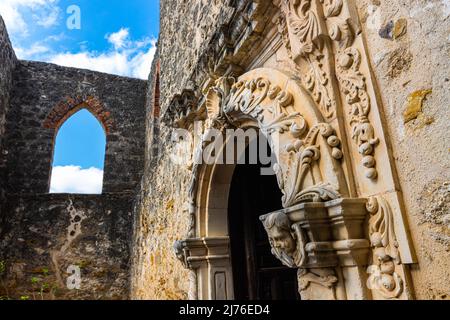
x,y
119,38
49,19
113,62
36,49
129,58
74,179
45,13
140,65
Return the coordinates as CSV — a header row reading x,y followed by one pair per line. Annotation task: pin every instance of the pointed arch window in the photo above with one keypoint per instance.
x,y
79,155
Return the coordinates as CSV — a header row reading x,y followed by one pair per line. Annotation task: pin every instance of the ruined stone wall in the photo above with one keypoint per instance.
x,y
7,64
43,93
41,234
43,237
409,49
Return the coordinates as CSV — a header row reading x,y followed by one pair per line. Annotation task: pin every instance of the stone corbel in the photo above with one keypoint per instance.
x,y
322,239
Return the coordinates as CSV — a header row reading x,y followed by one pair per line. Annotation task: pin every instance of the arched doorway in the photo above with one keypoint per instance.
x,y
257,274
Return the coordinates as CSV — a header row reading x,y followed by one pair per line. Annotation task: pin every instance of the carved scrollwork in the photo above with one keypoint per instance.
x,y
267,106
289,241
179,248
383,276
246,97
306,277
302,154
353,85
304,38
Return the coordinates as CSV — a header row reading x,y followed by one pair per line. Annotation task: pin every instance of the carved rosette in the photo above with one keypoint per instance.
x,y
383,280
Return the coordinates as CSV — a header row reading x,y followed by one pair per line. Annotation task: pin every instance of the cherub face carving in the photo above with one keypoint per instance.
x,y
278,228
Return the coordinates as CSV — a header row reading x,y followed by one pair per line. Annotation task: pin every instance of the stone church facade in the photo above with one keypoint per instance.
x,y
352,98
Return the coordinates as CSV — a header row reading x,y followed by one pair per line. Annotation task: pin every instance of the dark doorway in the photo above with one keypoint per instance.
x,y
257,274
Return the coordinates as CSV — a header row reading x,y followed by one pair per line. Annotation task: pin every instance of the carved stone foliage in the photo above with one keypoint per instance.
x,y
303,37
384,279
321,34
353,85
256,101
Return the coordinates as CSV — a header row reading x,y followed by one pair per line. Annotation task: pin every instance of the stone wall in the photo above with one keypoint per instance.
x,y
7,64
197,24
159,219
44,237
409,48
408,58
41,90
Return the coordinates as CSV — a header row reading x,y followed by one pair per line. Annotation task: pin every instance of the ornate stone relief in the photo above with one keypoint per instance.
x,y
353,85
318,236
303,37
320,231
309,29
384,279
255,101
325,284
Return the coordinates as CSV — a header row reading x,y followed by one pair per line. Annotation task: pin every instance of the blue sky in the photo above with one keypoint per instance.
x,y
116,36
80,141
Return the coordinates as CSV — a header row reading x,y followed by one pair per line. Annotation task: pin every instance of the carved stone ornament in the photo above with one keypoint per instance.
x,y
383,276
309,40
324,229
254,100
325,284
290,121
